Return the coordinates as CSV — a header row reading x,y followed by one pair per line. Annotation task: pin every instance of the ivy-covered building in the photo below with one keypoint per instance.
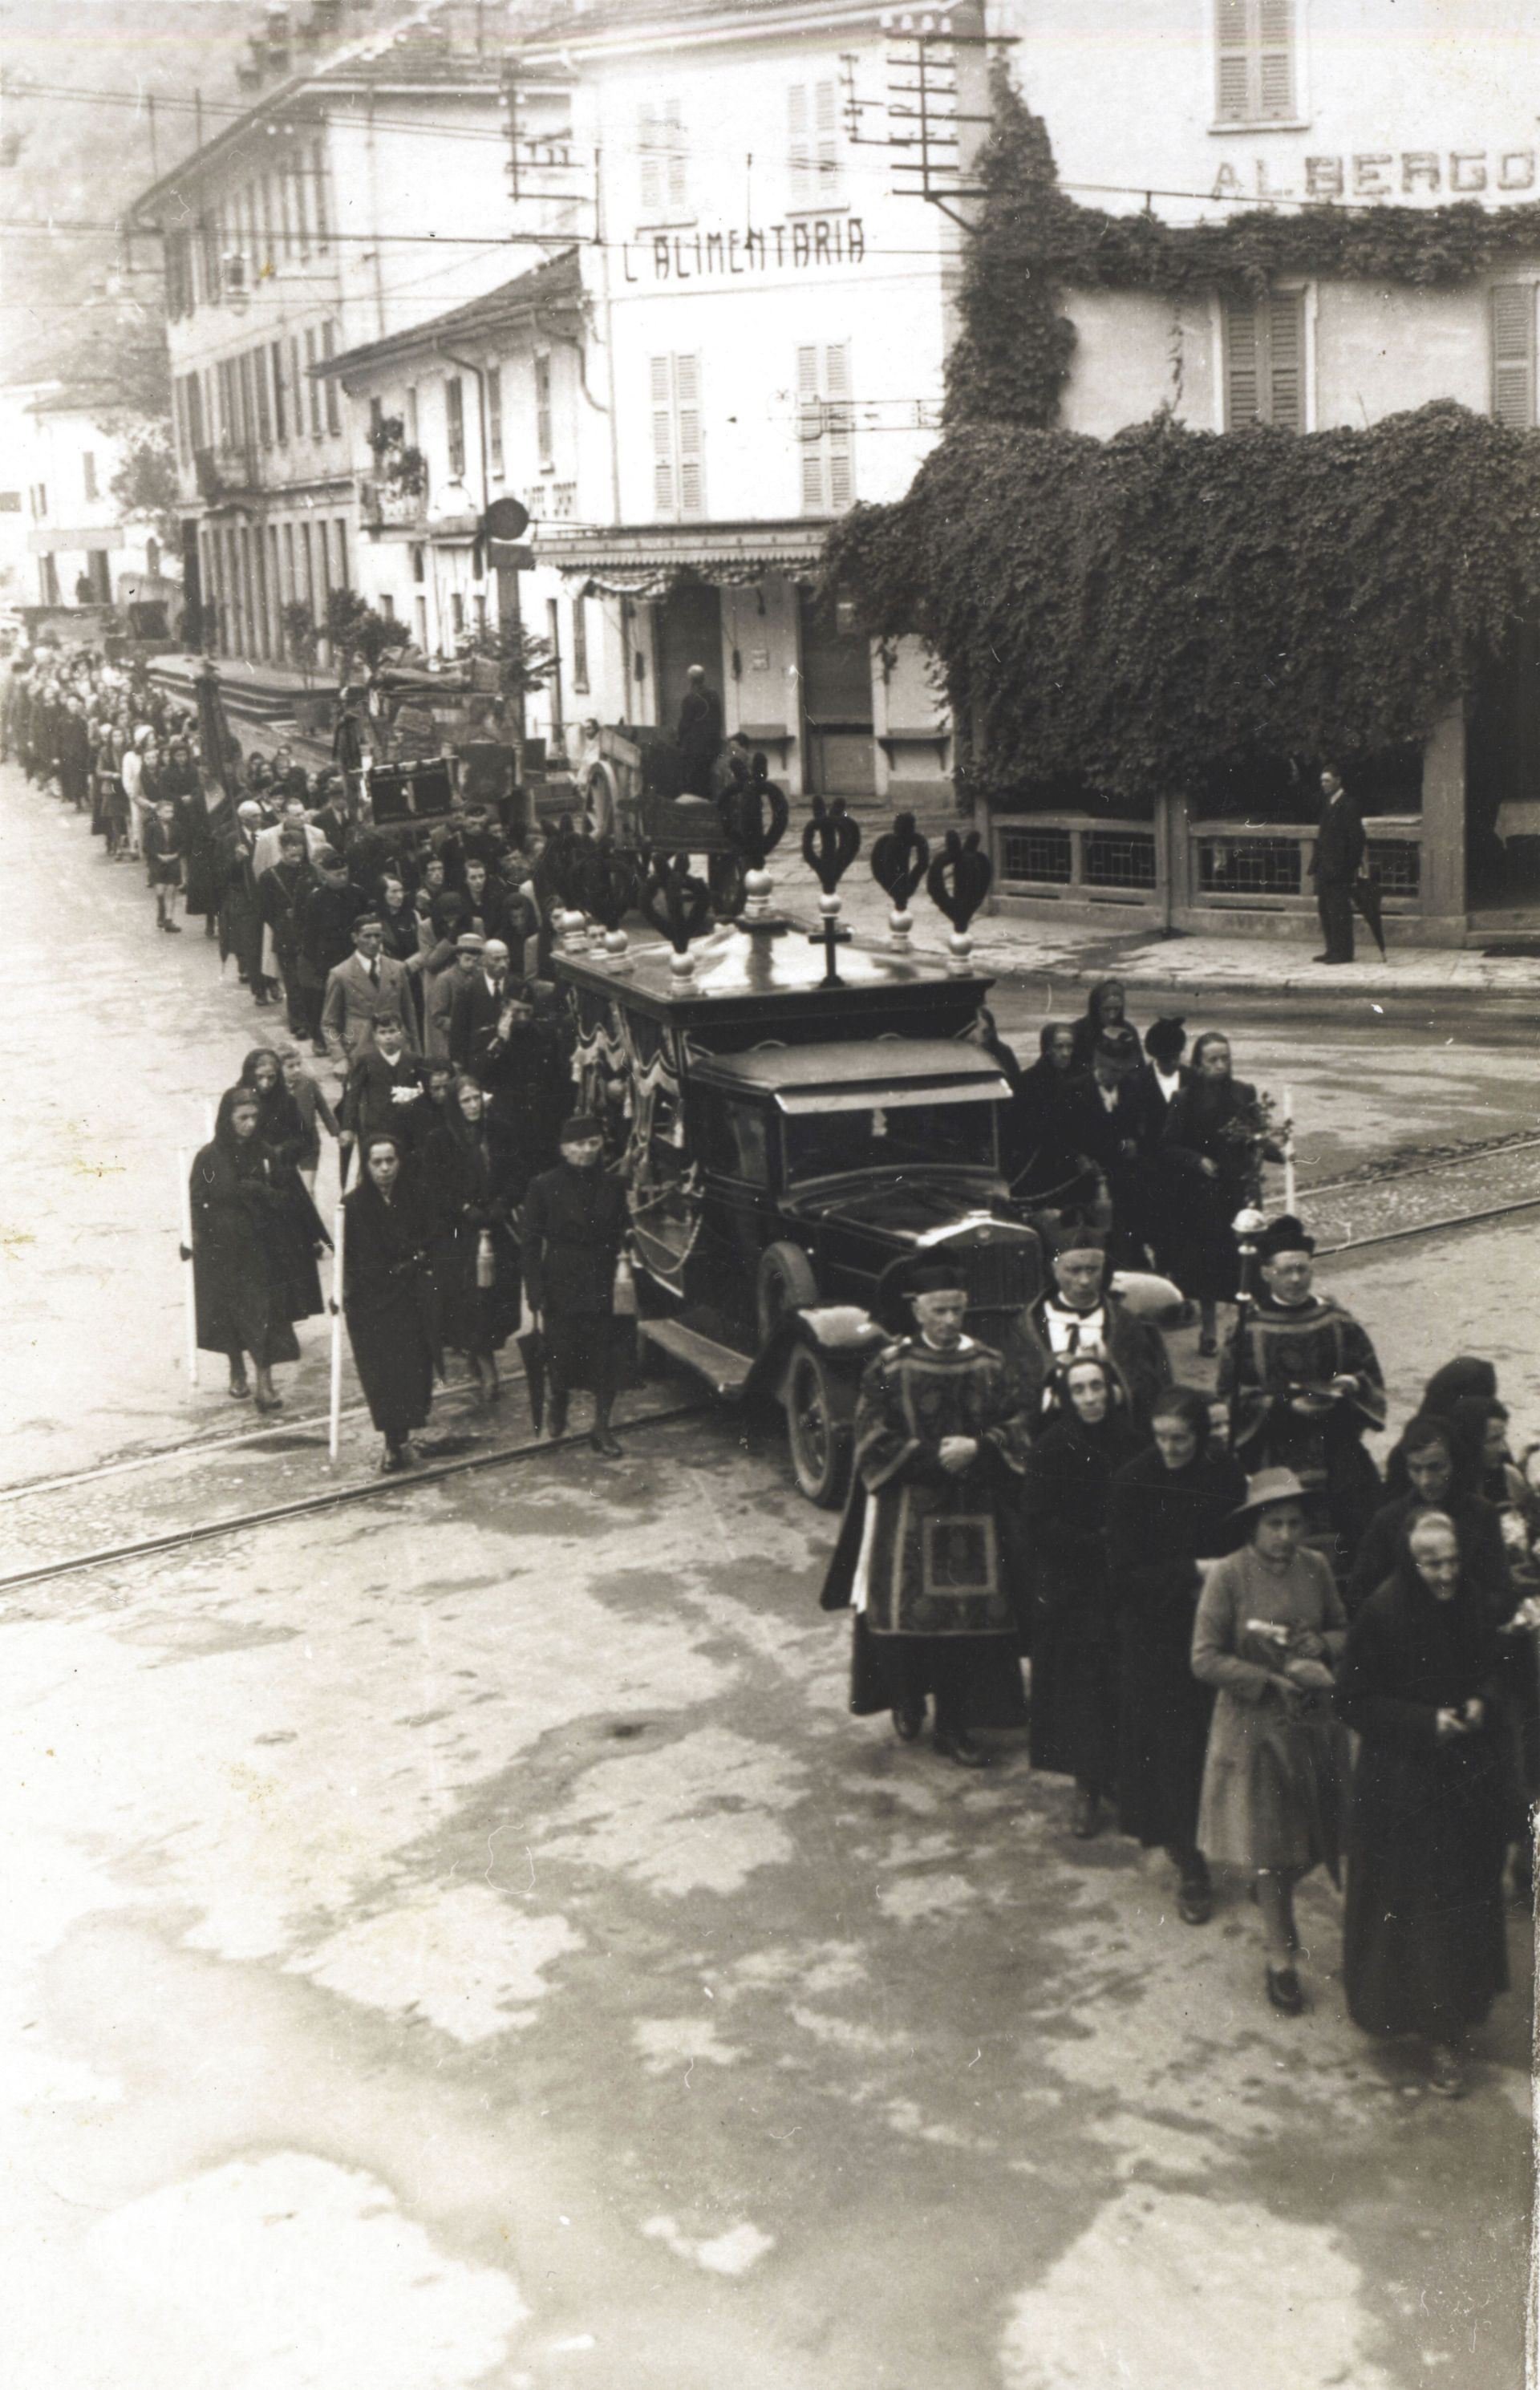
x,y
1242,472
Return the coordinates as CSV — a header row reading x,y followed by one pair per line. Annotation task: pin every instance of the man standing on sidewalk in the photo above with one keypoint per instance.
x,y
1335,865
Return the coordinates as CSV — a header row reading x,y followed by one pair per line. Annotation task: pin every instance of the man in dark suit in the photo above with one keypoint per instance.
x,y
484,1010
572,1226
1335,865
1110,1120
370,986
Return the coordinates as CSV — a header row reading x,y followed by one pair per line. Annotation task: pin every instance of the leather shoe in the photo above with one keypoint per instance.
x,y
1195,1901
556,1418
1085,1817
962,1749
605,1445
1283,1990
908,1720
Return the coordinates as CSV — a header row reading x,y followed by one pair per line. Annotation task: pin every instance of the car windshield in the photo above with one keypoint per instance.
x,y
907,1137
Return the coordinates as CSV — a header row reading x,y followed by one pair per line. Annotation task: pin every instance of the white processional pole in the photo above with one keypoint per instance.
x,y
1289,1153
335,1430
189,1284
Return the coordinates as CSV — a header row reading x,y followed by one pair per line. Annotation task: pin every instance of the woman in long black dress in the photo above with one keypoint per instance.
x,y
1106,1008
466,1168
255,1233
1049,1170
280,1123
387,1295
1172,1514
1424,1947
1438,1470
1074,1651
1213,1147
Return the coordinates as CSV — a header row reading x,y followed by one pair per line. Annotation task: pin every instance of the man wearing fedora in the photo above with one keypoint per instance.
x,y
1081,1314
941,1448
1311,1387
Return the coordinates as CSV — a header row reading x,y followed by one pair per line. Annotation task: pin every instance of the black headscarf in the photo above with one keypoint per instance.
x,y
1469,1422
279,1123
1191,1408
1466,1374
248,1156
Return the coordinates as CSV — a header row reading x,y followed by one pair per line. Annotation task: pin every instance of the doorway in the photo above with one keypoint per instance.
x,y
837,701
1502,779
688,631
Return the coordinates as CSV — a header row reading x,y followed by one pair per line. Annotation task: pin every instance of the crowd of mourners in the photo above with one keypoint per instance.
x,y
1247,1647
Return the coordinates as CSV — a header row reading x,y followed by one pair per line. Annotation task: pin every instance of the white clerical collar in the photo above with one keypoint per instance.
x,y
963,1345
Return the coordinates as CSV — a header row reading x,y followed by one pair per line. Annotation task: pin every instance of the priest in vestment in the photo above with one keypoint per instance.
x,y
924,1553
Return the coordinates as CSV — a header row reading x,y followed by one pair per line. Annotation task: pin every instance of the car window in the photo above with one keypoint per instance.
x,y
737,1141
904,1137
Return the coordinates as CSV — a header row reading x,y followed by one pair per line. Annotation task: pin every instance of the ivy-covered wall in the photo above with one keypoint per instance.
x,y
1148,611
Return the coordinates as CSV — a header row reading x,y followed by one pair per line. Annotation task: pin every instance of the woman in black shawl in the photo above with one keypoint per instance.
x,y
1466,1374
1171,1512
464,1165
1106,1008
387,1295
1074,1651
1440,1471
255,1235
1424,1948
1048,1169
280,1123
1212,1148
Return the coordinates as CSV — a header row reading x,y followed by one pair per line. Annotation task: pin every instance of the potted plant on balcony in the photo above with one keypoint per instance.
x,y
401,471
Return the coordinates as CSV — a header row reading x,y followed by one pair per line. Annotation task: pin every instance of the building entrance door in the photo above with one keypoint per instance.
x,y
837,702
688,632
1502,783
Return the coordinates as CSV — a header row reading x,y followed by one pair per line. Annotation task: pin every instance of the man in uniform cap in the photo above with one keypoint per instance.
x,y
1080,1314
941,1448
571,1227
1310,1386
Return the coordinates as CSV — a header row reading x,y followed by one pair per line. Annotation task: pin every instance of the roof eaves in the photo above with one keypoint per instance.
x,y
548,286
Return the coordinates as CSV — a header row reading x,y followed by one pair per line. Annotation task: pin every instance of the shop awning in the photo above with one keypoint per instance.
x,y
646,561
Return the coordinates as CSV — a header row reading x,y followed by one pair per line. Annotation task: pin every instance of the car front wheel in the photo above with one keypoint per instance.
x,y
819,1445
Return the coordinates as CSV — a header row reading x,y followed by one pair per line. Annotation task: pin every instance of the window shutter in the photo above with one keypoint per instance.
x,y
495,416
328,350
800,146
1513,354
810,432
827,133
678,164
1242,365
839,428
686,397
1235,61
1276,58
663,436
1285,359
543,410
652,164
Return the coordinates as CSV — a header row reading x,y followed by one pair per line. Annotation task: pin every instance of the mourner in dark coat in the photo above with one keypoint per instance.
x,y
1440,1478
571,1229
1213,1147
325,911
387,1295
1311,1388
1335,865
254,1237
1106,1008
385,1093
484,1012
241,917
1110,1121
940,1448
1161,1078
1424,1948
476,1261
1172,1510
1078,1314
280,1123
1049,1171
277,895
700,733
1074,1651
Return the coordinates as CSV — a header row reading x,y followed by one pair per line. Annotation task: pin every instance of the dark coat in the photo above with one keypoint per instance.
x,y
1484,1555
1046,1159
1424,1946
1161,1523
474,1013
1211,1121
388,1301
1136,1351
1074,1677
466,1178
255,1230
1340,845
324,917
572,1227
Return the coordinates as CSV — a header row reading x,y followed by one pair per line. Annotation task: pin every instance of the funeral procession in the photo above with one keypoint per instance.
x,y
771,1455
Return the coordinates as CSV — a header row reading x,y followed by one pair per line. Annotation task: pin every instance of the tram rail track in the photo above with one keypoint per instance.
x,y
284,1433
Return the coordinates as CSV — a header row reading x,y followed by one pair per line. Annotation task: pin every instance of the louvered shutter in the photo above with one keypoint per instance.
x,y
826,140
1276,58
1235,61
810,432
839,434
1513,354
652,162
663,437
687,408
1285,359
1242,365
800,145
678,164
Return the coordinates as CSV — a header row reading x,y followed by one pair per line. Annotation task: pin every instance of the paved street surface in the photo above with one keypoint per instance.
x,y
460,1941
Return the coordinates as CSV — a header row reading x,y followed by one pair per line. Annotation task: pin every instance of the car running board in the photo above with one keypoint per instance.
x,y
725,1370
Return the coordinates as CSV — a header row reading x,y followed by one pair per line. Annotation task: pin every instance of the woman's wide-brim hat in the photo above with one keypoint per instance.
x,y
1269,1485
